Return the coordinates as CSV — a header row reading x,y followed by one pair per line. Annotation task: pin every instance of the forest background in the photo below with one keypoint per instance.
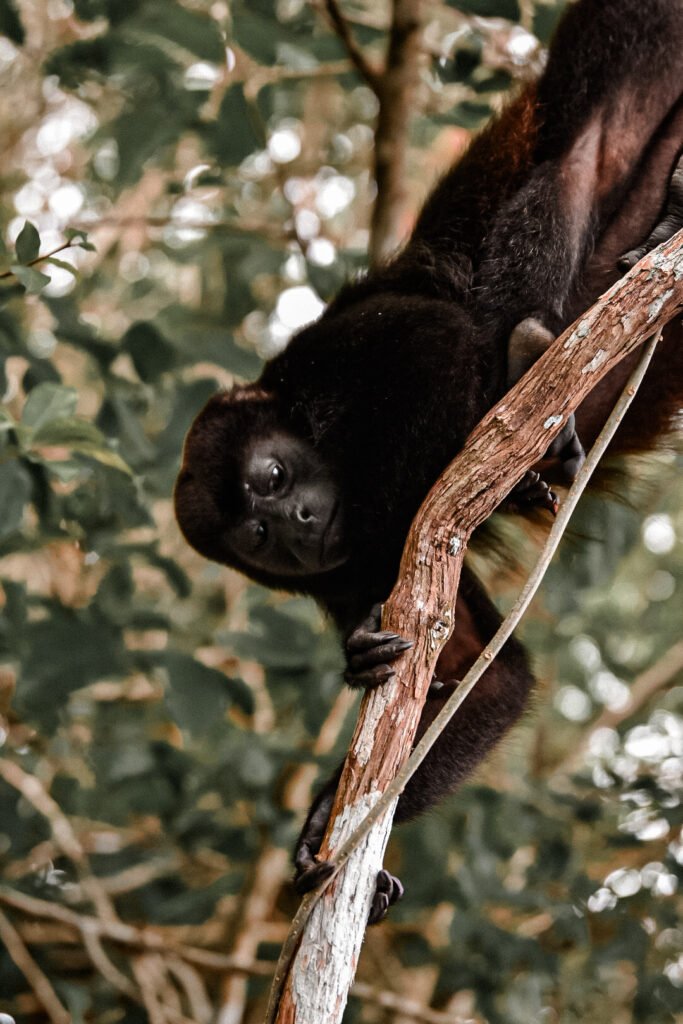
x,y
162,722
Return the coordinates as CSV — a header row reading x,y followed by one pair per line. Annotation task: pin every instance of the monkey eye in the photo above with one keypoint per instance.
x,y
276,479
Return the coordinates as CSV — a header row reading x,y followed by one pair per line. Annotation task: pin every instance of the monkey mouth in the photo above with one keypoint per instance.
x,y
331,539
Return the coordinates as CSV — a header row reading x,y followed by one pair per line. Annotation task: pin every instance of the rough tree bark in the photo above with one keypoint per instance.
x,y
512,436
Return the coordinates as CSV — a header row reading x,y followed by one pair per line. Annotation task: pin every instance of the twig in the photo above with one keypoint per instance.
x,y
363,66
143,969
29,968
193,987
117,979
39,259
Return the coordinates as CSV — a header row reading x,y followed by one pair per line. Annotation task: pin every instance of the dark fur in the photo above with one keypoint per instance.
x,y
390,381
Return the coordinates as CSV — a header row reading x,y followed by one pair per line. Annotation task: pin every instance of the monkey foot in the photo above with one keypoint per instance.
x,y
533,492
369,652
388,888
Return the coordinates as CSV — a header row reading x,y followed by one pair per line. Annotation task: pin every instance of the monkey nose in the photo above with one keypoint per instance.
x,y
304,514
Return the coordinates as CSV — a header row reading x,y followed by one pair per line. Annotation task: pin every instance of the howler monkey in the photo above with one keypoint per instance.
x,y
308,479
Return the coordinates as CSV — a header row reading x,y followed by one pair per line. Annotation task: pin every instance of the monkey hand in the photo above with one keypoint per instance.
x,y
370,652
533,492
671,222
311,872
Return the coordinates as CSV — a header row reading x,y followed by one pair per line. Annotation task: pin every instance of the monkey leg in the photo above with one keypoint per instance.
x,y
671,222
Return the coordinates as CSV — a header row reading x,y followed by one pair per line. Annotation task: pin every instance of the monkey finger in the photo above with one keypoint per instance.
x,y
629,259
378,908
533,492
373,677
378,655
361,639
391,885
388,890
666,228
312,877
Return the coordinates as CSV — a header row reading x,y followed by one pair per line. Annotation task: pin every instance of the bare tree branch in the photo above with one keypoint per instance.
x,y
395,91
363,66
510,438
38,981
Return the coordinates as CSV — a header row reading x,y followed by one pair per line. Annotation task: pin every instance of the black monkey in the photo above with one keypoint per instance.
x,y
308,480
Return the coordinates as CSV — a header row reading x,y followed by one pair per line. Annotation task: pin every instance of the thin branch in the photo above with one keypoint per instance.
x,y
395,93
184,962
34,793
363,66
39,983
193,986
510,439
45,256
130,935
406,1007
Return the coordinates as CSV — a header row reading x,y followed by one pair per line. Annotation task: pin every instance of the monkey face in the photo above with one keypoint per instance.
x,y
268,503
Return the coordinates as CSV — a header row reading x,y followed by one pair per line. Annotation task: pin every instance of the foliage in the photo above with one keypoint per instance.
x,y
174,714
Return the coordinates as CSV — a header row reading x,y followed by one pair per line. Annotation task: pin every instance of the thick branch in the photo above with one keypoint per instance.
x,y
512,436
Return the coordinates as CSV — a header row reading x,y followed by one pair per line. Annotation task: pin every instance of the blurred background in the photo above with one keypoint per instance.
x,y
202,173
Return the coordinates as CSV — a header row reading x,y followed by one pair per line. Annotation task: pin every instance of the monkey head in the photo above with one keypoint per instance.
x,y
253,494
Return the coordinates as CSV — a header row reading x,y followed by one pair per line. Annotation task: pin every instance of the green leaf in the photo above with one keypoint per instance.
x,y
15,493
152,355
81,437
7,421
79,239
235,134
28,243
70,432
188,29
10,25
47,403
65,470
33,280
198,696
63,265
63,653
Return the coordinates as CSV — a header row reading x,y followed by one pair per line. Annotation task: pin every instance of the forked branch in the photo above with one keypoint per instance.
x,y
511,438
